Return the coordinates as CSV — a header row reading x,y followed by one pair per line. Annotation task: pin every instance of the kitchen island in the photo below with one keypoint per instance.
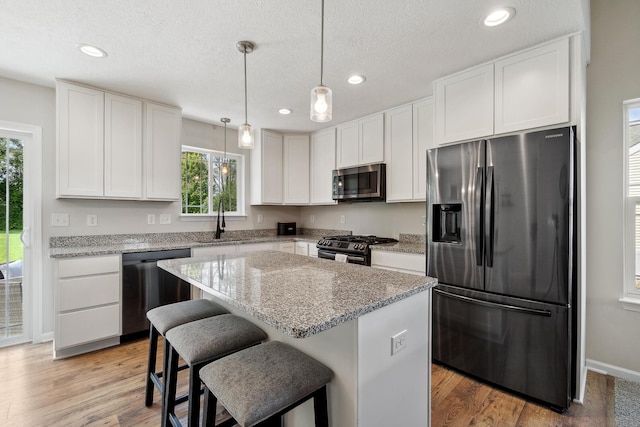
x,y
370,326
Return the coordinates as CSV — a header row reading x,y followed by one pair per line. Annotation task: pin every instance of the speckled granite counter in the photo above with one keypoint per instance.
x,y
407,243
299,296
78,246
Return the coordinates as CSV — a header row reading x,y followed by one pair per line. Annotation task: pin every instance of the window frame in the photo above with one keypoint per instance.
x,y
239,213
631,294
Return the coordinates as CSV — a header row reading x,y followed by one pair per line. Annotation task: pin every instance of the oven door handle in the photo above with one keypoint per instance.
x,y
355,259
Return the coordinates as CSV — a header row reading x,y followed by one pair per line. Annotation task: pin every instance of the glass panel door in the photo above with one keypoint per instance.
x,y
12,313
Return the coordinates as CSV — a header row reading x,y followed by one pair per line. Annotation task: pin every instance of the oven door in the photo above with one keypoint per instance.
x,y
351,259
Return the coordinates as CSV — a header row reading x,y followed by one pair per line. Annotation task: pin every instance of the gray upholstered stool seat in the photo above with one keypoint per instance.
x,y
261,383
161,320
199,343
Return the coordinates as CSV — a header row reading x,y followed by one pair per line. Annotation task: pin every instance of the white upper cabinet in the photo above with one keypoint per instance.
x,y
361,141
371,147
347,146
532,88
162,152
296,169
399,153
409,134
422,141
526,90
464,105
267,175
106,150
323,162
80,141
122,147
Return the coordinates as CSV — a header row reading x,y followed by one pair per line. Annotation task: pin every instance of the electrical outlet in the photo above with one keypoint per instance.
x,y
342,219
313,218
398,342
92,220
165,218
60,220
151,219
260,219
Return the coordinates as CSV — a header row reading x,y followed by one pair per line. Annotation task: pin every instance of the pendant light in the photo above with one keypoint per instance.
x,y
225,166
321,98
245,132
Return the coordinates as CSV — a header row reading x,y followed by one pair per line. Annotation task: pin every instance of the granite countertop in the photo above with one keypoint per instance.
x,y
298,295
78,246
407,243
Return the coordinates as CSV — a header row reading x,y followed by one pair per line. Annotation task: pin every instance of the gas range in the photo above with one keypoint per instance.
x,y
351,249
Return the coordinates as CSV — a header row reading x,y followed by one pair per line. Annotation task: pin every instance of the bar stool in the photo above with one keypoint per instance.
x,y
199,343
161,320
260,384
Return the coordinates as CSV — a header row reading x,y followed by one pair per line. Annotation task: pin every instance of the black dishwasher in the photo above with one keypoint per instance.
x,y
145,286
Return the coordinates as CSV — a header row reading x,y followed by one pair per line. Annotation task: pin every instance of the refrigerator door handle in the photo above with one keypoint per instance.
x,y
479,214
490,230
533,311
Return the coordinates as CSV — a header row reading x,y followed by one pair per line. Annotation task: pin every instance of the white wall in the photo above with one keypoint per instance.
x,y
613,334
379,218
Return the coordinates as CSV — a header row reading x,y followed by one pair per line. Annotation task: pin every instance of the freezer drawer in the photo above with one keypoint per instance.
x,y
517,344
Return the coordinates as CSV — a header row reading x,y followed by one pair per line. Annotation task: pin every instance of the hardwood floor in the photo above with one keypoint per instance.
x,y
106,388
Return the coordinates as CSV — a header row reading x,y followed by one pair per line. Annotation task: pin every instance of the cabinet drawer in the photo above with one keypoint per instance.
x,y
89,325
88,291
405,262
84,266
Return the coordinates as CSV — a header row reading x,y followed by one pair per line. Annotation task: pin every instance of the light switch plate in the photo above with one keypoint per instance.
x,y
260,219
151,219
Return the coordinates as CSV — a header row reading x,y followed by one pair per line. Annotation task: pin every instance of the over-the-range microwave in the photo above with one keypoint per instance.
x,y
361,183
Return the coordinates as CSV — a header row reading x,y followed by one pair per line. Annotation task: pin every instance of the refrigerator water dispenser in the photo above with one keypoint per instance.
x,y
446,222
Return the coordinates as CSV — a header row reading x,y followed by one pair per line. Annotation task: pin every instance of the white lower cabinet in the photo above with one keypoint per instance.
x,y
302,248
399,261
289,247
87,304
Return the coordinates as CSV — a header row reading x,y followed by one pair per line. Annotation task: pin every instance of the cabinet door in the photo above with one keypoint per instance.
x,y
272,167
348,141
532,88
372,139
323,162
302,248
422,141
162,152
122,147
296,169
84,326
399,153
80,142
464,105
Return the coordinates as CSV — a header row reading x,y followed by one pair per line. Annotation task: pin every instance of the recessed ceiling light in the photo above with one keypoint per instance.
x,y
284,111
499,16
356,79
92,51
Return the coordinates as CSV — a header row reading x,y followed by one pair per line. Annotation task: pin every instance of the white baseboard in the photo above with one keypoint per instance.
x,y
616,371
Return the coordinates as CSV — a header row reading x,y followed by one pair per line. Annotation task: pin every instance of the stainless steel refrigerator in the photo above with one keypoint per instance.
x,y
501,242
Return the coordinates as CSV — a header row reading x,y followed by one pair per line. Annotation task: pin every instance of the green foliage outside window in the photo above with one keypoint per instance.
x,y
203,184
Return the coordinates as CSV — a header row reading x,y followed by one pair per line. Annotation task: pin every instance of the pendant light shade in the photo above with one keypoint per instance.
x,y
321,98
245,132
225,166
321,104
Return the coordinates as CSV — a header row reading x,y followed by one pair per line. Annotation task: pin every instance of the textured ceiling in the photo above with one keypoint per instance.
x,y
184,52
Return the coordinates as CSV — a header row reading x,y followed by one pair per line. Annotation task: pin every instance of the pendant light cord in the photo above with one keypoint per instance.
x,y
322,44
245,83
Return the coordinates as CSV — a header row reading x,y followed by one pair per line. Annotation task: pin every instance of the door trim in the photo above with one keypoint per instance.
x,y
32,218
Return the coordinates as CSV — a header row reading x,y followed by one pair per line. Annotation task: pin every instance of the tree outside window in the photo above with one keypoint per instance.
x,y
203,185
